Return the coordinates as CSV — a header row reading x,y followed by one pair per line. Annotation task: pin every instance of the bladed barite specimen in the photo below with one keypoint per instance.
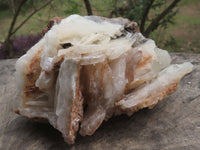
x,y
87,69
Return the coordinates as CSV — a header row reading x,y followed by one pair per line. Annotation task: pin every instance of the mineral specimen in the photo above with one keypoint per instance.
x,y
87,69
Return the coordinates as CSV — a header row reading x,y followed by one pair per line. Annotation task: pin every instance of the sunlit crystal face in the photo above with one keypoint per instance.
x,y
87,69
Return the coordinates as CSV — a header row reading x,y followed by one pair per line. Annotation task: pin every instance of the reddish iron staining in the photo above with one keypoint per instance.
x,y
31,77
163,94
50,24
76,112
144,61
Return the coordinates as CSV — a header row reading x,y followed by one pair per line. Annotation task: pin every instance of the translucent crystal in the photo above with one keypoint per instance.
x,y
87,69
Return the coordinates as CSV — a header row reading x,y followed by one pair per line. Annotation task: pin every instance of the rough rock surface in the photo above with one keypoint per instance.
x,y
173,124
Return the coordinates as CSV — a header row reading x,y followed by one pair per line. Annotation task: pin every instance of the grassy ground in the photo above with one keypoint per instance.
x,y
183,36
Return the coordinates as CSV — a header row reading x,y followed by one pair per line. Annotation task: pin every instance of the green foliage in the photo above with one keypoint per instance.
x,y
169,19
73,7
5,13
136,9
102,7
3,5
172,43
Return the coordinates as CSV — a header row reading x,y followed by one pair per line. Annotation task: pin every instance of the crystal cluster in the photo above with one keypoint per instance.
x,y
87,69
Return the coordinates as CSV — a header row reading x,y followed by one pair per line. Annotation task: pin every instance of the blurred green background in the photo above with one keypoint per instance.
x,y
180,33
